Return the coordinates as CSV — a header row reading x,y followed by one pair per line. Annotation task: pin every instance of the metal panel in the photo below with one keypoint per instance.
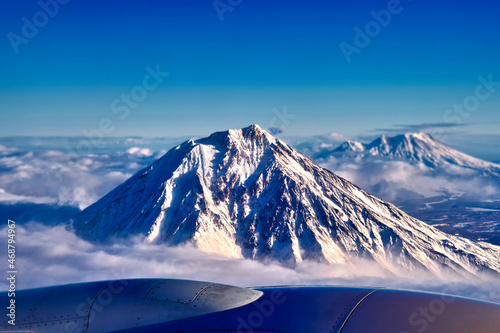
x,y
54,309
134,305
283,309
177,292
394,311
126,306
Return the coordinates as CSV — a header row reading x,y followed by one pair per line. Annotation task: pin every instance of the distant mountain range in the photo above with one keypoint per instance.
x,y
244,193
456,192
411,147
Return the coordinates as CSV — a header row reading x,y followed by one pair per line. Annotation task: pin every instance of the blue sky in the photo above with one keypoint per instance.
x,y
261,57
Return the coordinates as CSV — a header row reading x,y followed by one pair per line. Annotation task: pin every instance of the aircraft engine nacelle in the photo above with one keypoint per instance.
x,y
163,305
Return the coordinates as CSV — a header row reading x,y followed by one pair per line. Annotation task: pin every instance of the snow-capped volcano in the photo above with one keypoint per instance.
x,y
243,193
413,147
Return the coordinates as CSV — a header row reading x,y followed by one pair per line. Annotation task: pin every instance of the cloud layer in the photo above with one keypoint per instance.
x,y
55,255
66,178
42,181
398,181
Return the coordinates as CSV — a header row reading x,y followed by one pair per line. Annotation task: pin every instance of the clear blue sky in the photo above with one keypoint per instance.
x,y
233,72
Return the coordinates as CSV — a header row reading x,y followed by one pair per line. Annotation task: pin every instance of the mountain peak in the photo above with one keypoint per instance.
x,y
351,145
254,128
423,136
420,147
243,193
253,134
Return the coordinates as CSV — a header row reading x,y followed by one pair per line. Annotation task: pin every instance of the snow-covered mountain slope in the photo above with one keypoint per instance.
x,y
243,193
412,147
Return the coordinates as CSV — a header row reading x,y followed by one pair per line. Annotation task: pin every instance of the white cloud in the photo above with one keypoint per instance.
x,y
134,141
139,151
334,137
54,255
397,181
65,177
10,198
4,150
